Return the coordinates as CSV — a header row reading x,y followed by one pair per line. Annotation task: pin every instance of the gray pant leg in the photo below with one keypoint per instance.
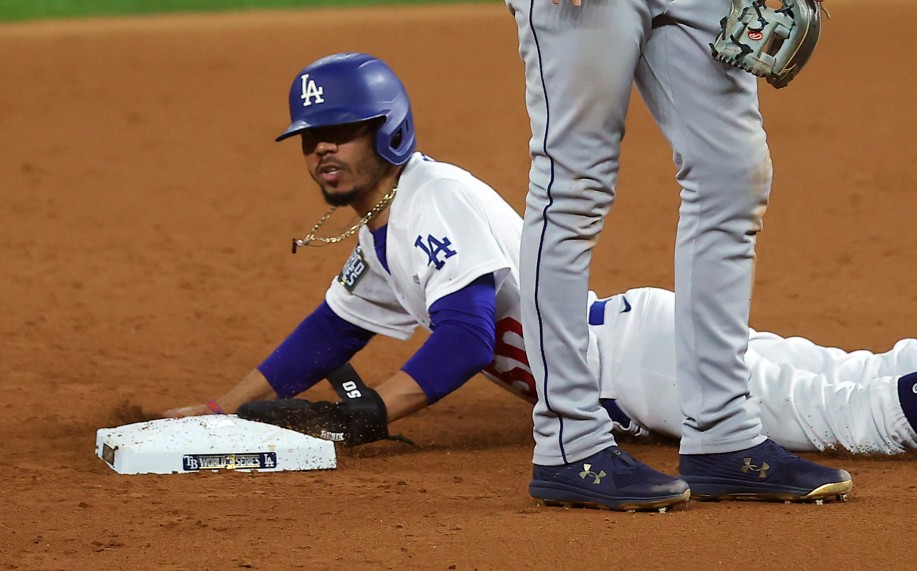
x,y
579,66
709,113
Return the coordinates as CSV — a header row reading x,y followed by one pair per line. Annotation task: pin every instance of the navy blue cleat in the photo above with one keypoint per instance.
x,y
765,472
610,479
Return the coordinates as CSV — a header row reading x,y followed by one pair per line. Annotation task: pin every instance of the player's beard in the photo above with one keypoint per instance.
x,y
370,170
342,199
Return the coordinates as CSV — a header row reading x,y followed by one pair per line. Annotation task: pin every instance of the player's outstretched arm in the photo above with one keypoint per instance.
x,y
360,417
251,388
321,343
402,396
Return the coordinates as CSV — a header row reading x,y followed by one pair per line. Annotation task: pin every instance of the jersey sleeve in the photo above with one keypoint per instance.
x,y
463,320
320,344
453,243
360,295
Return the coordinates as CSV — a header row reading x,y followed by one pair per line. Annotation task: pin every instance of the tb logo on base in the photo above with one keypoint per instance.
x,y
310,90
433,248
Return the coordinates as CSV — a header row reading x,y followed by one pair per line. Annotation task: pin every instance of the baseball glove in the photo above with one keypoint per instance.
x,y
773,43
360,417
338,421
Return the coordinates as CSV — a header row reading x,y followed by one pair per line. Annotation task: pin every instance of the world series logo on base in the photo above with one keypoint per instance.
x,y
252,461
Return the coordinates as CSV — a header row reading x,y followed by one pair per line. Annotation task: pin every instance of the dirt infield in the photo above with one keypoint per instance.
x,y
145,224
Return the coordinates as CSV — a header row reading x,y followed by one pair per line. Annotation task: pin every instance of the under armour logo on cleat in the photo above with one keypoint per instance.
x,y
749,467
587,471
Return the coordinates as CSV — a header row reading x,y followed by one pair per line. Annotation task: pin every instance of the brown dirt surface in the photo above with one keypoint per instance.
x,y
145,224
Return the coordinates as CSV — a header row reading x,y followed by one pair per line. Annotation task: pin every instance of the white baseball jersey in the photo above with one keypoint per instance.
x,y
810,397
446,228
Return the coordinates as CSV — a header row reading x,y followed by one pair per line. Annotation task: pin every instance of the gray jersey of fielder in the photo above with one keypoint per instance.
x,y
580,65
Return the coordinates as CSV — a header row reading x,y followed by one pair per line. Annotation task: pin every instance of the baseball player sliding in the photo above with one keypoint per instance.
x,y
439,248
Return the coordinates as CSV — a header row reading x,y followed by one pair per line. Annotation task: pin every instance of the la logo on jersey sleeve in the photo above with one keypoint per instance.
x,y
354,269
434,248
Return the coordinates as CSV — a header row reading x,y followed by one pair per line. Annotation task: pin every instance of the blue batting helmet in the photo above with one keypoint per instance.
x,y
349,88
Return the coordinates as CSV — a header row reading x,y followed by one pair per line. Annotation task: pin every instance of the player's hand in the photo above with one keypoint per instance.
x,y
579,2
193,410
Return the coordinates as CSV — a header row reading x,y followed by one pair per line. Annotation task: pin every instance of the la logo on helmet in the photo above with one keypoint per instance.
x,y
310,90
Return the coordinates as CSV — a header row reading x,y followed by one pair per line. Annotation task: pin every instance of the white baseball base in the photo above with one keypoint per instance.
x,y
208,443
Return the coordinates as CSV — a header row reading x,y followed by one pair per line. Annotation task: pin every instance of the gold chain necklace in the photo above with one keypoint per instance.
x,y
310,237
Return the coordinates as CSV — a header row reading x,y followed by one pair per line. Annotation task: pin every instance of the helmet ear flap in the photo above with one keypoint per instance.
x,y
398,137
395,143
